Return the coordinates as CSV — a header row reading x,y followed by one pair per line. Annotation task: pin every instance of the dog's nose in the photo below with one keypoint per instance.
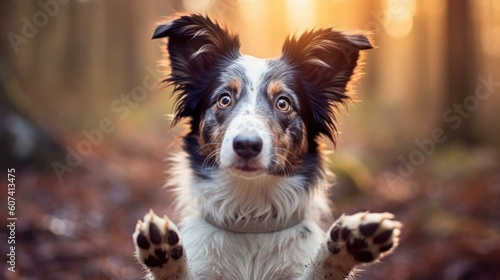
x,y
247,146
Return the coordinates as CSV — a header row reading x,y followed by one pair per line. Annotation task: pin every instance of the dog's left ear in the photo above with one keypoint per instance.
x,y
196,45
326,59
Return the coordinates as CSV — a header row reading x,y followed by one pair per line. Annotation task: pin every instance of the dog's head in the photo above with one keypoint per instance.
x,y
258,116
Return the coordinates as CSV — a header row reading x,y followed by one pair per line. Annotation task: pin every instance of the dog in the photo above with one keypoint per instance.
x,y
251,177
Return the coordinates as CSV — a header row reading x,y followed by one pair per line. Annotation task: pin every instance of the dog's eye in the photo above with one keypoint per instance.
x,y
224,100
283,104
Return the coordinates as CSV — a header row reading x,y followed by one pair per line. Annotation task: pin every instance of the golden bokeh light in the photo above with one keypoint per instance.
x,y
301,15
197,5
490,39
399,17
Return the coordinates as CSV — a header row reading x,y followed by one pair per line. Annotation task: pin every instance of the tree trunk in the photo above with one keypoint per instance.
x,y
460,61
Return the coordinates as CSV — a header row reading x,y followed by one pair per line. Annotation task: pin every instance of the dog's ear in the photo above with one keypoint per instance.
x,y
195,45
326,59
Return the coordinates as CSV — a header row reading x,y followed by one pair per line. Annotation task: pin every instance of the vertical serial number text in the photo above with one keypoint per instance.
x,y
11,219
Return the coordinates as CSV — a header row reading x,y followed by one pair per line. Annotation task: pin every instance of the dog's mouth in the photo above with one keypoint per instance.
x,y
247,168
248,171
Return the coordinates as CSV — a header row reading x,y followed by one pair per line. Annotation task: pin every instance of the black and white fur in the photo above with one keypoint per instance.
x,y
252,156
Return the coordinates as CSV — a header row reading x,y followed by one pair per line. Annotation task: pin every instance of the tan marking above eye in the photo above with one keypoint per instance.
x,y
234,85
275,87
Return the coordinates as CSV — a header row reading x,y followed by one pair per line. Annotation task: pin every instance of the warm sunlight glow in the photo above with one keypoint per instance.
x,y
197,5
399,17
301,14
254,11
490,40
255,26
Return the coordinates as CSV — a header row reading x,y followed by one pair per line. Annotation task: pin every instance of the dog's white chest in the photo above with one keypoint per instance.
x,y
220,254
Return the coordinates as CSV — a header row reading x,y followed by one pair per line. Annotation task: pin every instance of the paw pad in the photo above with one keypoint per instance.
x,y
364,236
157,240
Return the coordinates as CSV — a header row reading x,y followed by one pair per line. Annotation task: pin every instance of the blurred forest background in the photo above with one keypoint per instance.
x,y
83,121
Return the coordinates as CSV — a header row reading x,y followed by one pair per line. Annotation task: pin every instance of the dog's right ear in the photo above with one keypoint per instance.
x,y
326,60
195,45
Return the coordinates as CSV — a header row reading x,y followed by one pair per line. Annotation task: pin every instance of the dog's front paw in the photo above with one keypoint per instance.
x,y
158,243
364,237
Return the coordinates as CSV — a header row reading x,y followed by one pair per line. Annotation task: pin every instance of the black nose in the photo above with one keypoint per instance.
x,y
246,146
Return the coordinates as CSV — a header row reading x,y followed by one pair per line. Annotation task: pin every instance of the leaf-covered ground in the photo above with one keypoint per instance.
x,y
80,227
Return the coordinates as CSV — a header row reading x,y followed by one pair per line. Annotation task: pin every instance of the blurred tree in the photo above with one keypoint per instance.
x,y
460,70
23,142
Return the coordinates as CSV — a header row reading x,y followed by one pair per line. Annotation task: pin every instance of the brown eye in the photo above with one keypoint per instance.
x,y
283,104
224,100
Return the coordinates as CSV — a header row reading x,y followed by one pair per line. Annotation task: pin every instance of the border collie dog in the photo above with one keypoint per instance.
x,y
251,181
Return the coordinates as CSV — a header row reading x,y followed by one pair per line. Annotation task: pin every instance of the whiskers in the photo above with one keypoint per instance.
x,y
282,162
282,165
211,160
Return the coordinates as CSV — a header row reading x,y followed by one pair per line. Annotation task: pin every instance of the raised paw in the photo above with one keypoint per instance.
x,y
157,242
365,237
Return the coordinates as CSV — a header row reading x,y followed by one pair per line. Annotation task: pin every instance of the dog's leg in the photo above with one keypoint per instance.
x,y
158,246
351,241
